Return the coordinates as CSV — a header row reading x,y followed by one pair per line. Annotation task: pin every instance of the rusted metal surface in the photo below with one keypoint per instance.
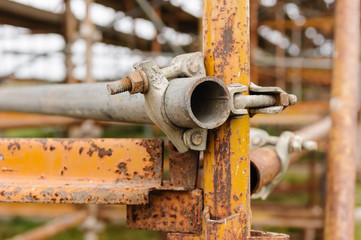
x,y
53,227
135,82
106,171
231,227
260,235
168,211
184,236
183,168
265,166
226,163
340,201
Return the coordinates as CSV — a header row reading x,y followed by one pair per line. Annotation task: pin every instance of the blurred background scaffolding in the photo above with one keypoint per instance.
x,y
76,41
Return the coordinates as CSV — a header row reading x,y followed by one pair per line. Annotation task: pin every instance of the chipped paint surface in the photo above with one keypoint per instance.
x,y
168,211
99,171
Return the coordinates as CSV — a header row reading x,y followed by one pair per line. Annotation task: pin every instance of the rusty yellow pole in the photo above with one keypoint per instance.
x,y
226,46
339,212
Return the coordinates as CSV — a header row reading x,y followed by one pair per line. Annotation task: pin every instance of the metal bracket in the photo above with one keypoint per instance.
x,y
186,65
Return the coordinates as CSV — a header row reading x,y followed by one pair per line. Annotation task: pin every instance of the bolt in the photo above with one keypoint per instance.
x,y
196,139
119,86
193,67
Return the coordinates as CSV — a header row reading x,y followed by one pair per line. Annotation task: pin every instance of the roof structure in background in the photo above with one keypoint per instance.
x,y
300,30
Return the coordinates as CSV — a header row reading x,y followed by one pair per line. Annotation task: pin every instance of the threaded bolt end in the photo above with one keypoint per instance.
x,y
119,86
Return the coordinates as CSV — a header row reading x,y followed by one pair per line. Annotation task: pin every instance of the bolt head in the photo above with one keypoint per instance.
x,y
193,67
197,139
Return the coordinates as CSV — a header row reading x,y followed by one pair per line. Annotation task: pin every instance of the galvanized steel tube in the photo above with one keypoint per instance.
x,y
75,100
188,102
200,102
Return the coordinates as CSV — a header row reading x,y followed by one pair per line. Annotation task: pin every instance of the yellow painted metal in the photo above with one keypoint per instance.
x,y
226,46
79,170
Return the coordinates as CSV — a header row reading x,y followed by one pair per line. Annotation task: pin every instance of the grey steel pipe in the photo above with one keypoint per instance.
x,y
189,102
76,100
200,102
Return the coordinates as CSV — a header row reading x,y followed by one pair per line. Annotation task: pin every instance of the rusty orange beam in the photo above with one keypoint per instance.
x,y
22,120
226,47
105,171
54,227
341,173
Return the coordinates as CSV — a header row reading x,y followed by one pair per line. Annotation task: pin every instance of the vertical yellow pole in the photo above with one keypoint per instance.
x,y
226,47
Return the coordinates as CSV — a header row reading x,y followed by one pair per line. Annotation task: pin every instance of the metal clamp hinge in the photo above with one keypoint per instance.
x,y
267,100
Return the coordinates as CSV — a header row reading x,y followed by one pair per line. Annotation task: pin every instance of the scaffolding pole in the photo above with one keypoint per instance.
x,y
339,212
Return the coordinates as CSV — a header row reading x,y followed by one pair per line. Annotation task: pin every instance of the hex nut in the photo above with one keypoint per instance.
x,y
137,82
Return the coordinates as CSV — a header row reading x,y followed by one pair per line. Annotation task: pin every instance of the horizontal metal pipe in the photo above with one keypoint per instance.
x,y
76,100
189,102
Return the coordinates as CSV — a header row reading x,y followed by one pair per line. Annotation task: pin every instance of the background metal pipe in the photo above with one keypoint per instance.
x,y
265,165
341,170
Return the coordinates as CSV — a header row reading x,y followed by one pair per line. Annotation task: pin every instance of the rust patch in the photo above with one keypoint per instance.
x,y
183,168
168,211
37,175
122,168
14,146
